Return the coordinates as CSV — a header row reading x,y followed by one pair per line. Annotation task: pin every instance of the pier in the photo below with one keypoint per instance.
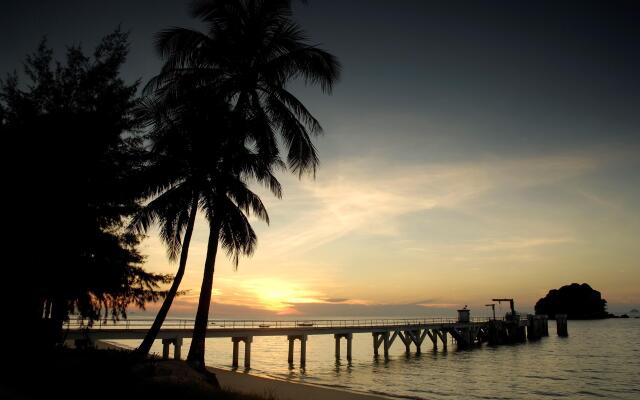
x,y
464,330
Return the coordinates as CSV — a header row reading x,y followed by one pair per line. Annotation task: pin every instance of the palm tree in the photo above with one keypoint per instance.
x,y
173,222
249,53
171,186
178,176
173,207
227,205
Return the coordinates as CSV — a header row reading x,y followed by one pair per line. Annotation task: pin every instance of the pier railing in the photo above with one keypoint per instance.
x,y
268,324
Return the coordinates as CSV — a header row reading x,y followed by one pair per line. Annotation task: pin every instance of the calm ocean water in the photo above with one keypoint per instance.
x,y
600,359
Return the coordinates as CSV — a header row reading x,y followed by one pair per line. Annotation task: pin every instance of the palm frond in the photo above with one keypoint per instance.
x,y
288,100
237,236
314,65
180,46
247,201
170,210
302,155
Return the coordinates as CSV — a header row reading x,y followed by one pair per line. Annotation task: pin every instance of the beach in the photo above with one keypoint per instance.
x,y
282,390
270,388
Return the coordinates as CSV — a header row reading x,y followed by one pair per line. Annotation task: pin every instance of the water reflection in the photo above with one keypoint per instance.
x,y
599,359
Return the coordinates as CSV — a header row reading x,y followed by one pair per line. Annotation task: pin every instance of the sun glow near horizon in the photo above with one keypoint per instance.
x,y
278,295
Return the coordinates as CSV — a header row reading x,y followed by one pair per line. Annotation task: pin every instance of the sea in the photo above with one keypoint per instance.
x,y
599,359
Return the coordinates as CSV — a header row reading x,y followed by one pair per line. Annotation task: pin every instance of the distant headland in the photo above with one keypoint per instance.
x,y
575,300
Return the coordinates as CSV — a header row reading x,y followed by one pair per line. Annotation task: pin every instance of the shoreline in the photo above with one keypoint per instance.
x,y
271,388
285,390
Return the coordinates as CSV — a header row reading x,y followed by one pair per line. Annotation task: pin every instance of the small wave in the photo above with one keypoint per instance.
x,y
546,377
332,386
588,393
397,396
549,394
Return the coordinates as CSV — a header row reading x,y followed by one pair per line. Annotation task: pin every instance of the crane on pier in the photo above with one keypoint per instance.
x,y
513,310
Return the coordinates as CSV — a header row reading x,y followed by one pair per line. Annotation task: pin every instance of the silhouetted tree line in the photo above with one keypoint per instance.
x,y
78,159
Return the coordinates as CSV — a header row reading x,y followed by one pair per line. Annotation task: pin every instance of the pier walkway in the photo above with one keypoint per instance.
x,y
465,331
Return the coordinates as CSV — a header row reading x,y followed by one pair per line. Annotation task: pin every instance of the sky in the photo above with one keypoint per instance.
x,y
472,150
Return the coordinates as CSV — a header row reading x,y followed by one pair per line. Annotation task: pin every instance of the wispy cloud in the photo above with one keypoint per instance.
x,y
332,240
518,243
368,197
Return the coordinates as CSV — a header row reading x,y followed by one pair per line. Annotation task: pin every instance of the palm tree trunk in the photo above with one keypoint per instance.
x,y
152,334
196,351
47,309
59,313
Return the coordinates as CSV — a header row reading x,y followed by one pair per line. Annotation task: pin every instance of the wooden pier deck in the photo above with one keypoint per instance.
x,y
411,332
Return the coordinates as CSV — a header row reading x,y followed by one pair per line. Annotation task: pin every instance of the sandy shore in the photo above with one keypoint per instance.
x,y
273,388
282,390
106,345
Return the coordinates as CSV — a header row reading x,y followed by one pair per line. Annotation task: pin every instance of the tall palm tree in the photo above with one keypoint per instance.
x,y
249,53
172,188
227,205
174,222
185,140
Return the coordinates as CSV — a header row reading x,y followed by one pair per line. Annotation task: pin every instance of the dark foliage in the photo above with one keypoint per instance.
x,y
577,301
76,165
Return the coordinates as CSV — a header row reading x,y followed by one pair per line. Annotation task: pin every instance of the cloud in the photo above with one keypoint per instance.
x,y
368,197
333,240
225,307
520,243
336,300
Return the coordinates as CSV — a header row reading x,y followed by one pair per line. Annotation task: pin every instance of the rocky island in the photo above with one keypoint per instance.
x,y
575,300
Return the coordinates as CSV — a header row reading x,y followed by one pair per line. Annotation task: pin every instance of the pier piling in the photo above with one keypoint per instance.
x,y
177,342
303,349
376,343
247,351
290,358
561,325
387,344
417,339
349,337
166,347
443,338
234,359
538,327
533,328
406,339
433,337
166,343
